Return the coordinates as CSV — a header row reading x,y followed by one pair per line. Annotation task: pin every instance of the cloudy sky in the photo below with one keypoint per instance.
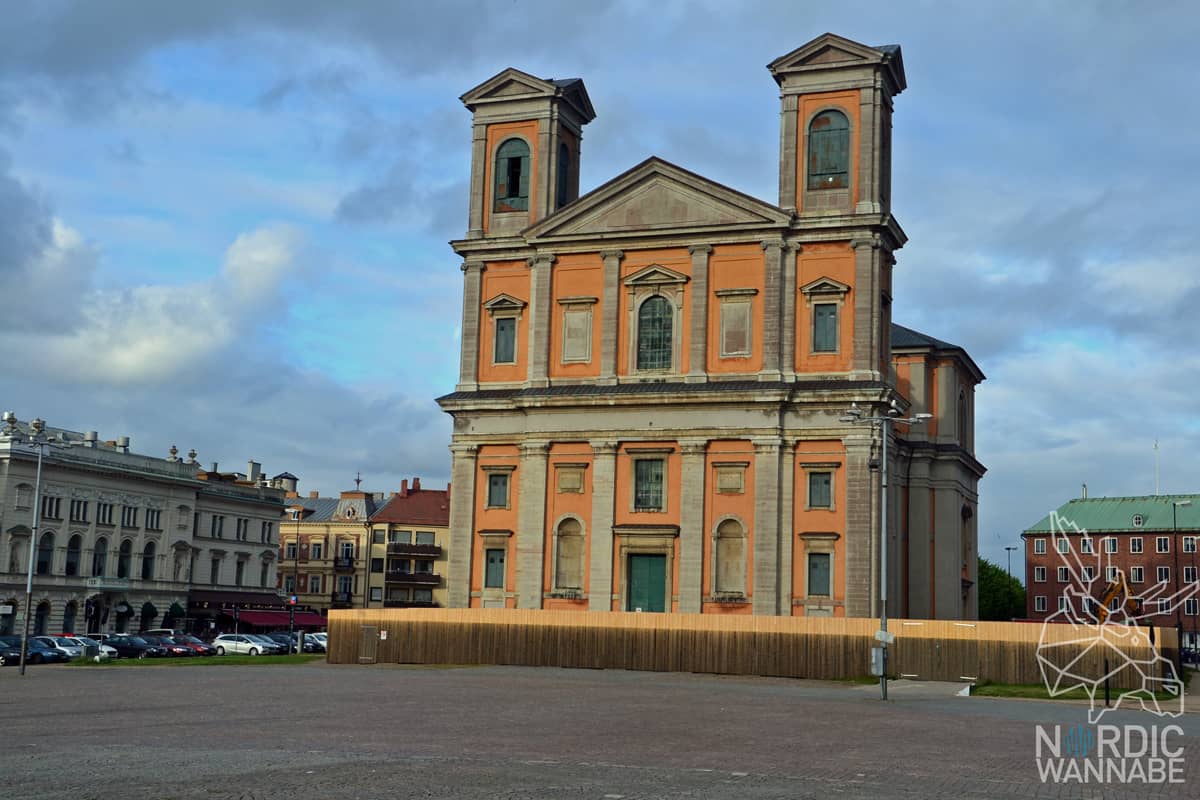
x,y
223,225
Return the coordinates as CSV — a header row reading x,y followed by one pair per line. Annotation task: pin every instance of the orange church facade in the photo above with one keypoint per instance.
x,y
653,374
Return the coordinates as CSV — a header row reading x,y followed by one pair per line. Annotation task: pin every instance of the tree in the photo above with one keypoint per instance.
x,y
1001,597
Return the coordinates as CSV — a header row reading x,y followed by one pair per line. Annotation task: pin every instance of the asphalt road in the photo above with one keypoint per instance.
x,y
333,732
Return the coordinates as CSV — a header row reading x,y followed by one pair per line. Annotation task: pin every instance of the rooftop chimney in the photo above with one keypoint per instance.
x,y
253,471
313,495
448,485
416,484
404,488
90,438
123,444
214,467
1085,491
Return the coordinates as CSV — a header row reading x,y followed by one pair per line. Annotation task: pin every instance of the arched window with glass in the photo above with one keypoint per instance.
x,y
45,554
655,341
829,151
74,551
511,183
100,557
124,558
148,555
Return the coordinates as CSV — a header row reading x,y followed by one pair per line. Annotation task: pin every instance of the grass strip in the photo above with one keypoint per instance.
x,y
201,661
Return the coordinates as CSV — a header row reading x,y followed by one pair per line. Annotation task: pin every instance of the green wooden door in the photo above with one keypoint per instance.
x,y
647,583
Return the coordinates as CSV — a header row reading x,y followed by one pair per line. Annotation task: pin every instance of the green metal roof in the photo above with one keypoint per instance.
x,y
1116,514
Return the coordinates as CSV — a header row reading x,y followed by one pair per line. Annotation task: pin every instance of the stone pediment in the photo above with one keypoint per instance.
x,y
506,85
655,274
824,286
658,196
504,302
831,51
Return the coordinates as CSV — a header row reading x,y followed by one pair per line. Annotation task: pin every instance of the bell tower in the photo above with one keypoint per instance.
x,y
835,155
526,142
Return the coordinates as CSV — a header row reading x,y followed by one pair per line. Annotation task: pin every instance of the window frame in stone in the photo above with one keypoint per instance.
x,y
729,477
642,495
647,283
511,149
571,528
830,145
504,471
577,310
505,310
824,292
736,306
570,477
728,534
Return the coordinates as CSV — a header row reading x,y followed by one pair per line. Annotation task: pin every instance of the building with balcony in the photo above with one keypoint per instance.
x,y
126,539
1149,543
408,548
654,373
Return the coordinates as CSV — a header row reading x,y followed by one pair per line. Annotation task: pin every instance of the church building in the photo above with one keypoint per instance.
x,y
654,374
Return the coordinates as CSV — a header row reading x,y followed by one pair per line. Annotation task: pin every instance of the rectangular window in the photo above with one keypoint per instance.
x,y
1063,544
243,529
264,573
289,584
1110,573
217,526
129,517
1039,546
422,595
1189,544
376,565
648,484
1164,574
493,575
825,339
79,510
577,335
1085,545
347,549
214,571
1137,575
377,537
1063,575
736,322
820,490
400,565
1135,544
1062,604
819,574
1189,574
1162,544
1190,606
316,550
1089,574
505,350
497,490
376,593
1110,545
405,537
314,584
1039,603
424,566
104,513
239,572
1039,574
289,551
153,519
345,584
426,538
51,507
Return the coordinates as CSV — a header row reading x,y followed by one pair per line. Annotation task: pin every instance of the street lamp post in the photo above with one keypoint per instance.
x,y
37,438
1010,548
854,416
1175,504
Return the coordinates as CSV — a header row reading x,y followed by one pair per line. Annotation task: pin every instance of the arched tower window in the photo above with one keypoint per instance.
x,y
829,151
148,562
564,170
568,568
74,548
730,568
124,558
45,554
512,177
100,557
654,345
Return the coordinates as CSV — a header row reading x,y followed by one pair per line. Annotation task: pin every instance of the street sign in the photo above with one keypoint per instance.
x,y
5,610
293,600
887,637
383,636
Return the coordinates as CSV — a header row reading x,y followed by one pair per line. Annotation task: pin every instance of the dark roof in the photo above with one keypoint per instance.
x,y
593,389
417,507
890,49
322,507
287,475
564,83
907,337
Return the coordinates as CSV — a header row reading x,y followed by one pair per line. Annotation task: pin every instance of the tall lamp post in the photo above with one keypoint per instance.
x,y
1175,504
854,416
35,438
1010,548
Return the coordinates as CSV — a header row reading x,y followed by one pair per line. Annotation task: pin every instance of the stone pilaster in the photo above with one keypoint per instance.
x,y
531,524
869,148
468,369
604,479
787,528
539,318
608,311
788,151
787,320
865,361
544,196
698,344
692,525
862,547
773,250
462,525
478,168
766,526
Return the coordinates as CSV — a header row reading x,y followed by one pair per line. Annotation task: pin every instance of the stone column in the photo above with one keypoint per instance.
x,y
539,318
462,525
604,479
787,321
531,524
788,152
787,532
479,158
867,314
551,162
766,525
543,201
468,369
692,525
772,279
608,311
869,148
862,547
698,348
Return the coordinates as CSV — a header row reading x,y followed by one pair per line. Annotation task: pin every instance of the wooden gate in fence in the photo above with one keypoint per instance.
x,y
794,647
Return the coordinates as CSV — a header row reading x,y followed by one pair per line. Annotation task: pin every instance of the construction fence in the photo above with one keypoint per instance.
x,y
792,647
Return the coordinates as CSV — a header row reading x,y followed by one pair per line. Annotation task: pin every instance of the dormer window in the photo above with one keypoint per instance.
x,y
512,176
829,151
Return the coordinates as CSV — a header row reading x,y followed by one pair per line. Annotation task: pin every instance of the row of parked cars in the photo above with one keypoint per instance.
x,y
151,644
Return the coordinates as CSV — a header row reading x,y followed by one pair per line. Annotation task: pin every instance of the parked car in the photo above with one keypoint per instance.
x,y
134,647
61,644
237,643
37,653
269,646
282,639
106,651
197,646
167,644
10,654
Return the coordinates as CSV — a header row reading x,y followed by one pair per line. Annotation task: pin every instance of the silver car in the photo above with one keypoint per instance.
x,y
60,643
237,643
106,650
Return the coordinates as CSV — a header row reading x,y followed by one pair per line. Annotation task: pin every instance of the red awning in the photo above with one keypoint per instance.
x,y
278,619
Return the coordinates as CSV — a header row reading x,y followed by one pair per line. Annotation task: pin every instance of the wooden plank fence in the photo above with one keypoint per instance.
x,y
793,647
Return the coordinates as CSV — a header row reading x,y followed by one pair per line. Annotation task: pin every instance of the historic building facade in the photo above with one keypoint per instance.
x,y
653,374
408,549
324,546
1148,542
126,540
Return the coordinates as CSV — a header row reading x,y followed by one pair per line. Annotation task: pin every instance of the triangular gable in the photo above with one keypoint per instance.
x,y
504,302
657,195
506,85
830,51
824,286
656,275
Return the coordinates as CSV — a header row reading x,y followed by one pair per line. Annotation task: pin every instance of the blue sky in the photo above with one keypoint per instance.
x,y
225,223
